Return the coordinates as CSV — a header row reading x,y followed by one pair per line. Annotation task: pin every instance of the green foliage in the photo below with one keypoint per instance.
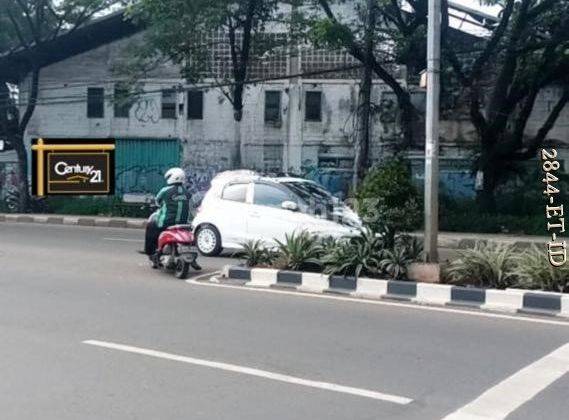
x,y
533,271
355,256
396,261
387,200
327,33
484,266
185,32
299,251
255,254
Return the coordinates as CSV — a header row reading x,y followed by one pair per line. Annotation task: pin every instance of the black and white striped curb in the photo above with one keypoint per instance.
x,y
509,300
74,220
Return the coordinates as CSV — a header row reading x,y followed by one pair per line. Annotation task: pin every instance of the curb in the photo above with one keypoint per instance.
x,y
113,222
509,300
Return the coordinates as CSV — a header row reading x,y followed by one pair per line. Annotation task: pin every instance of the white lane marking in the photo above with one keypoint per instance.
x,y
254,372
502,399
123,239
385,303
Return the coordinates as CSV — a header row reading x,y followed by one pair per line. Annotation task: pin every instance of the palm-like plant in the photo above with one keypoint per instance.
x,y
352,257
484,266
299,251
255,253
413,246
533,271
396,261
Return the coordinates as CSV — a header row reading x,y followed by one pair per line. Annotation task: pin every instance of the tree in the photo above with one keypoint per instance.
x,y
187,32
400,32
27,26
526,50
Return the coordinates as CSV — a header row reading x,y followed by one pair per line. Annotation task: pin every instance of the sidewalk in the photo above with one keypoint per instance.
x,y
61,219
449,240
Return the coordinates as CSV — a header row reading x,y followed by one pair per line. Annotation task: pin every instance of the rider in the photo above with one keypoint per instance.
x,y
174,202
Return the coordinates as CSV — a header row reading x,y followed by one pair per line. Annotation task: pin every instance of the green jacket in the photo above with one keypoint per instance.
x,y
174,202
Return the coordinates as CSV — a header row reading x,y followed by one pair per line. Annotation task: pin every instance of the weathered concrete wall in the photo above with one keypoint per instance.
x,y
323,149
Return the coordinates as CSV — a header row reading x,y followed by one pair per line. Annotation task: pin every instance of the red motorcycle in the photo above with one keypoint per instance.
x,y
176,250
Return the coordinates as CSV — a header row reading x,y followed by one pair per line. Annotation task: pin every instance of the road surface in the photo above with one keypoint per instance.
x,y
89,331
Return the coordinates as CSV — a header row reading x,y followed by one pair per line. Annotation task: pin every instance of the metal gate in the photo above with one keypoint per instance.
x,y
140,163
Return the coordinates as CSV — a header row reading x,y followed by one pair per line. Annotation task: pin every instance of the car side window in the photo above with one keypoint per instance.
x,y
235,192
267,195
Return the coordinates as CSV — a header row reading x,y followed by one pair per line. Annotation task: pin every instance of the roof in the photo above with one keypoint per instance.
x,y
101,31
106,29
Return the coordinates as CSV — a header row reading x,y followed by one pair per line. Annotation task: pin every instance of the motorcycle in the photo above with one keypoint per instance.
x,y
176,250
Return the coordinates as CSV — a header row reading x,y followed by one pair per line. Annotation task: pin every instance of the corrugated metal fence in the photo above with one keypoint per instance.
x,y
140,163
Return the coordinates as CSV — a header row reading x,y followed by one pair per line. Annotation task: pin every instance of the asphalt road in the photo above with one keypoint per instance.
x,y
160,348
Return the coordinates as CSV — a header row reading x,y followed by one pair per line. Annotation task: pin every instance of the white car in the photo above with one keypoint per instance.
x,y
242,206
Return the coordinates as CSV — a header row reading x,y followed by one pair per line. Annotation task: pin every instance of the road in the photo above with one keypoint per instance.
x,y
89,331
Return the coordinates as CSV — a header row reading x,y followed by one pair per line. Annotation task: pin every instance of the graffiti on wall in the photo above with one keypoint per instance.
x,y
146,111
139,179
9,181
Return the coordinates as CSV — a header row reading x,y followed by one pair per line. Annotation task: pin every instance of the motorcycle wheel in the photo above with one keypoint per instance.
x,y
182,269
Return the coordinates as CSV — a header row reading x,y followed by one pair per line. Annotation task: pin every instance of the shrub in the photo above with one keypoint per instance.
x,y
395,262
255,254
354,256
533,271
413,246
484,266
299,251
388,202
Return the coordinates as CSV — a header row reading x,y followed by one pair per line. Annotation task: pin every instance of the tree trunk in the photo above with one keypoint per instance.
x,y
23,191
237,160
361,158
486,197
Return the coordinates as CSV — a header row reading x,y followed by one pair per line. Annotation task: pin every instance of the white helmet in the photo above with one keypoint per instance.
x,y
175,176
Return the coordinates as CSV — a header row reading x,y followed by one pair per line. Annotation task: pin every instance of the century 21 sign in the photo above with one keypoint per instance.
x,y
72,166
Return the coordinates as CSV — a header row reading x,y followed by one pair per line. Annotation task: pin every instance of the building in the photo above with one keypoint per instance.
x,y
301,125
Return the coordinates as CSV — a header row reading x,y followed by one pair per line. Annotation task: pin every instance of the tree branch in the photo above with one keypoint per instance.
x,y
537,141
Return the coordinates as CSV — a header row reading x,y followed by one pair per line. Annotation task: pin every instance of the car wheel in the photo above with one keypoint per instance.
x,y
208,240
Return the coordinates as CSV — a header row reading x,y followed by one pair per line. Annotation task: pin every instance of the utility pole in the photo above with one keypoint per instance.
x,y
432,131
361,158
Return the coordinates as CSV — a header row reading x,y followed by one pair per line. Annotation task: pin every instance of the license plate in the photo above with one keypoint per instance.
x,y
184,249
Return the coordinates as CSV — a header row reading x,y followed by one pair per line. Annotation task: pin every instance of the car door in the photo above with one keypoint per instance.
x,y
267,219
231,212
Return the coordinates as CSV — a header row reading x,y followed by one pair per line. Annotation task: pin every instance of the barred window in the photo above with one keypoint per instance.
x,y
169,104
272,106
313,106
122,102
95,102
195,105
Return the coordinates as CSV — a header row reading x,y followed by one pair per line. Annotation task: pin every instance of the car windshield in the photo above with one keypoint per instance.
x,y
309,191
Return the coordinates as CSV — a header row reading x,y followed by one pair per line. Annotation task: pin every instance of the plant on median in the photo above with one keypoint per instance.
x,y
388,202
484,266
255,254
299,251
533,271
355,256
396,261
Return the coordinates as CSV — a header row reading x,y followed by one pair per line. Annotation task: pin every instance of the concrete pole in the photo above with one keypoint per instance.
x,y
432,131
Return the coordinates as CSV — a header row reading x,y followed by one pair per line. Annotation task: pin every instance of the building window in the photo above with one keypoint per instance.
x,y
195,105
122,102
313,106
272,106
95,102
169,104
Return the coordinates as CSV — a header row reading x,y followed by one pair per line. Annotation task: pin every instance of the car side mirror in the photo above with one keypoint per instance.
x,y
289,205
